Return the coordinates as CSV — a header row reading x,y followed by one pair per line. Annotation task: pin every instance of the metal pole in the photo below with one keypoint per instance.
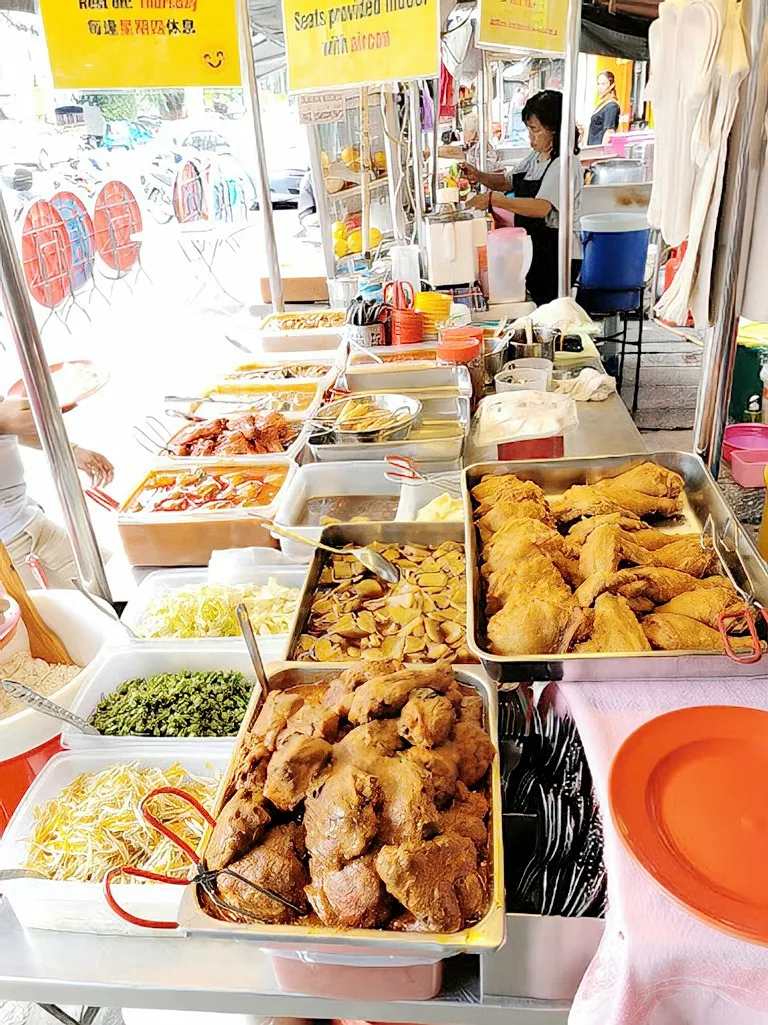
x,y
394,164
734,234
321,199
262,177
417,155
482,114
435,144
47,414
567,127
365,180
500,94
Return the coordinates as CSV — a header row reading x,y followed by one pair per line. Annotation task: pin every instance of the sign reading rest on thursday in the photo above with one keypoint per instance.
x,y
523,24
331,44
126,44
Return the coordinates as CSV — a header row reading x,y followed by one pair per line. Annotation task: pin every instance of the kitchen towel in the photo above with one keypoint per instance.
x,y
657,964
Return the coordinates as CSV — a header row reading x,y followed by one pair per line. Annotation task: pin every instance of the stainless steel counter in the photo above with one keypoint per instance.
x,y
605,429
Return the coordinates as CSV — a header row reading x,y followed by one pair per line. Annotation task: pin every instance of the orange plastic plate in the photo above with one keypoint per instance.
x,y
688,794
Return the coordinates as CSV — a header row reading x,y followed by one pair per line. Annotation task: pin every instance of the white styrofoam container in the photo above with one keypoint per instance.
x,y
271,646
414,497
321,480
145,658
275,339
72,906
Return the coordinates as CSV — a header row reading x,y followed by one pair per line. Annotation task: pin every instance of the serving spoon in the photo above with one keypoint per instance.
x,y
30,697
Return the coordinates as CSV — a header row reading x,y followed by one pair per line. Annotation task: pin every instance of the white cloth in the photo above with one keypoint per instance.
x,y
755,304
16,508
657,964
589,386
548,173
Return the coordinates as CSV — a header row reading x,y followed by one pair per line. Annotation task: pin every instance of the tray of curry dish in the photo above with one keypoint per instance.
x,y
368,797
598,569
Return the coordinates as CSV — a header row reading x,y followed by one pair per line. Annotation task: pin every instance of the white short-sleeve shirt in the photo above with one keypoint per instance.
x,y
548,172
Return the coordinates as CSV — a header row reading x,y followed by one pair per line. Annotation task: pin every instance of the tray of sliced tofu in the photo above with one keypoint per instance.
x,y
597,569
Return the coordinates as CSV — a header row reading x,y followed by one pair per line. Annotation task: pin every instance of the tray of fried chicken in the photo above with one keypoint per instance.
x,y
246,433
364,802
589,569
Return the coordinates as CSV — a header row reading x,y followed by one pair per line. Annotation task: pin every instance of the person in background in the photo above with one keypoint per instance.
x,y
605,119
535,182
24,528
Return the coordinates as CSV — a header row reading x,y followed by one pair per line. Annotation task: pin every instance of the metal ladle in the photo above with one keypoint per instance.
x,y
30,697
372,560
246,628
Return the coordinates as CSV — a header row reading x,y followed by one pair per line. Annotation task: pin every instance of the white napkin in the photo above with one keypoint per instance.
x,y
657,964
563,314
589,386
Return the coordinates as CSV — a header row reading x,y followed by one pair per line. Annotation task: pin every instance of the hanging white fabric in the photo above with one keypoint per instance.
x,y
755,304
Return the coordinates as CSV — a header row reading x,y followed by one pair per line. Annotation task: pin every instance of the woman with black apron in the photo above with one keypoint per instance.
x,y
535,182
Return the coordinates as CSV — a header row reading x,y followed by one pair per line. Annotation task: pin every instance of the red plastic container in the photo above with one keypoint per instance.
x,y
533,448
358,982
17,773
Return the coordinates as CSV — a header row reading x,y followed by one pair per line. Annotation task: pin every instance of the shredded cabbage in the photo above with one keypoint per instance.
x,y
208,610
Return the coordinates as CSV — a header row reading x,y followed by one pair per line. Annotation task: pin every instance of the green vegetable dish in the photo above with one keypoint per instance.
x,y
185,704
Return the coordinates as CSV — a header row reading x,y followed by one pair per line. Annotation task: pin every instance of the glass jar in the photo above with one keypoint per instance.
x,y
463,346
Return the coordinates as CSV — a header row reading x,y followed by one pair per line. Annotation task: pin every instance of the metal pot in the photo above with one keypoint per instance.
x,y
542,344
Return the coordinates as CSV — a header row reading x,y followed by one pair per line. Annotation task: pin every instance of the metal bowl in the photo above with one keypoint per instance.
x,y
494,356
398,432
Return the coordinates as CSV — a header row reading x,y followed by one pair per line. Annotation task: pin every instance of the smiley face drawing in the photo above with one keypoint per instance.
x,y
214,60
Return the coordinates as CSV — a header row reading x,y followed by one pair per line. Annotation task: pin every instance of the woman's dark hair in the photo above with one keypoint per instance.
x,y
547,106
610,76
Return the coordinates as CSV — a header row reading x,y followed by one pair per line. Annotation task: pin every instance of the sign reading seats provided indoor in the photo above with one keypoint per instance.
x,y
125,44
523,25
331,44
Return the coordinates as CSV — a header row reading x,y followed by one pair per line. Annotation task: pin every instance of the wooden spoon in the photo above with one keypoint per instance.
x,y
43,642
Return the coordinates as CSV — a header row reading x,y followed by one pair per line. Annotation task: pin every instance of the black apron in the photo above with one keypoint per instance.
x,y
541,280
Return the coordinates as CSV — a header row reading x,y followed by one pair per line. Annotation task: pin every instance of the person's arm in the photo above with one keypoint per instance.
x,y
497,180
524,206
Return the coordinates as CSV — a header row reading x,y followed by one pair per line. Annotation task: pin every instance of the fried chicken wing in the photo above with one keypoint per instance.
x,y
579,532
352,897
652,479
637,501
607,547
293,767
690,555
341,816
615,628
654,582
427,718
585,500
275,865
671,632
423,877
384,696
706,604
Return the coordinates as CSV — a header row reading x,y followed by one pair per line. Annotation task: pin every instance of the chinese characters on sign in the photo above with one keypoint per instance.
x,y
523,24
331,44
123,44
321,108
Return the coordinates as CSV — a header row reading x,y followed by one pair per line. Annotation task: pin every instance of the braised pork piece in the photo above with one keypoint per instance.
x,y
251,433
362,801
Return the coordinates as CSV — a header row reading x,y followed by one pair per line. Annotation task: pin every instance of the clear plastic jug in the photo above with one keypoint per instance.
x,y
510,252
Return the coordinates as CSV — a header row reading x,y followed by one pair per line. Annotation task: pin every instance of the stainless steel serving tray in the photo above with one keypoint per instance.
x,y
419,381
702,497
359,534
485,935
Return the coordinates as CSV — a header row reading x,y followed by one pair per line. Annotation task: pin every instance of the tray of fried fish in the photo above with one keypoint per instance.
x,y
599,569
367,797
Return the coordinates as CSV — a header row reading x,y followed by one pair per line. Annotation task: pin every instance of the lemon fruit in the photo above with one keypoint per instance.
x,y
375,237
380,160
355,241
325,162
340,248
339,230
350,154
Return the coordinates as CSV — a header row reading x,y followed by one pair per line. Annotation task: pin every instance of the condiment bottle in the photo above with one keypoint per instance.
x,y
458,346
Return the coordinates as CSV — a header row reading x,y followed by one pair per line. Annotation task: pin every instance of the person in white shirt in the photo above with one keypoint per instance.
x,y
24,528
535,181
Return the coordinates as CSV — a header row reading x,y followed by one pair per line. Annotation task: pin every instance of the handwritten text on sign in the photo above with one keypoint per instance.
x,y
321,108
331,44
523,24
124,44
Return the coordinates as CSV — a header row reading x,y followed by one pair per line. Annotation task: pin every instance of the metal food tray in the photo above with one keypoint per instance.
x,y
485,935
418,381
360,534
431,452
701,498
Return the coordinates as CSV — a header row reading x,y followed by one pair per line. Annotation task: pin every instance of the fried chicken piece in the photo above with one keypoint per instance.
x,y
640,606
384,696
652,539
607,547
585,500
654,582
423,875
580,531
615,628
706,604
427,718
293,767
476,751
671,632
240,824
275,865
341,816
652,479
442,764
351,897
637,501
467,815
688,556
492,486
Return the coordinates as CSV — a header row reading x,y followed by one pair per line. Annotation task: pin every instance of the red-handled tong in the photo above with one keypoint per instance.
x,y
752,611
36,568
406,471
103,499
204,877
399,294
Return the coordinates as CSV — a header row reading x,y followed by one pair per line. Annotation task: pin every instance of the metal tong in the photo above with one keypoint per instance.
x,y
153,437
406,471
203,877
727,551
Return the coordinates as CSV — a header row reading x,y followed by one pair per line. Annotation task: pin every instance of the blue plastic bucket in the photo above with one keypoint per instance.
x,y
615,249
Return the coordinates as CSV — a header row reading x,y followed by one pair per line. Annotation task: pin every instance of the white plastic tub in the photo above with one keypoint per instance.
x,y
71,906
142,659
271,646
297,339
322,480
414,497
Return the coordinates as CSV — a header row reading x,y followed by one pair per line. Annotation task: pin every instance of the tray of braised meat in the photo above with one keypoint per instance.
x,y
250,433
608,568
365,803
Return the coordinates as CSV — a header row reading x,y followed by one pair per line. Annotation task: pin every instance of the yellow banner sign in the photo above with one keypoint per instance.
x,y
331,44
125,44
523,25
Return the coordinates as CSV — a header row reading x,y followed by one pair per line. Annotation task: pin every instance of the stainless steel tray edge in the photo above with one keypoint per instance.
x,y
555,475
486,935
